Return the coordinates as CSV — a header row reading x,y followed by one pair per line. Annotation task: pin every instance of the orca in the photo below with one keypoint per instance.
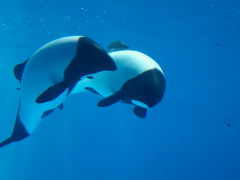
x,y
48,77
138,80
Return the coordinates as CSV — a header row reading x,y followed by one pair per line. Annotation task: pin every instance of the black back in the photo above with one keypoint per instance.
x,y
90,58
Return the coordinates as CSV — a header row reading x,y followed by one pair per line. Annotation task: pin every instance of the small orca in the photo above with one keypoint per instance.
x,y
138,80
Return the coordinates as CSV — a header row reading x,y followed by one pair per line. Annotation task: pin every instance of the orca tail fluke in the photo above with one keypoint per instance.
x,y
19,133
5,142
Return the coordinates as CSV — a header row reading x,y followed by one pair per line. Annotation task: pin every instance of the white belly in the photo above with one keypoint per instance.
x,y
45,68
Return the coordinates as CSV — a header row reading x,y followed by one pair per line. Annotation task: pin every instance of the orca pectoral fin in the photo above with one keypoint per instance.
x,y
110,100
140,111
51,93
61,106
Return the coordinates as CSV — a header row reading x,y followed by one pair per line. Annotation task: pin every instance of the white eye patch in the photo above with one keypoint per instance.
x,y
138,103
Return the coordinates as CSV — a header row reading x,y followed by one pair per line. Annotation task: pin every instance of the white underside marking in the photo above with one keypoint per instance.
x,y
45,67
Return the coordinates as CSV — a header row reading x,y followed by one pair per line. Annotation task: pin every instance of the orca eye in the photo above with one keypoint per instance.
x,y
141,104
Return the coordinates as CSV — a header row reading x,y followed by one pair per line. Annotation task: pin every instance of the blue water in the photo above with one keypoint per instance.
x,y
193,134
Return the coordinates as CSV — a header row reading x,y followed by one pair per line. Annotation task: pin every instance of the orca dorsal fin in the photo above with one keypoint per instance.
x,y
18,70
117,46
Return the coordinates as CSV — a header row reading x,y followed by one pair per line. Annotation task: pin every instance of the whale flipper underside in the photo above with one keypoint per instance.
x,y
140,111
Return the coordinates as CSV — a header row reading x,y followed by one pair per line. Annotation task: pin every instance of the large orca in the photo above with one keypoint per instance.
x,y
49,76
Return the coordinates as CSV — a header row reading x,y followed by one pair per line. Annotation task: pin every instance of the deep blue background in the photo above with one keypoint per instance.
x,y
193,134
